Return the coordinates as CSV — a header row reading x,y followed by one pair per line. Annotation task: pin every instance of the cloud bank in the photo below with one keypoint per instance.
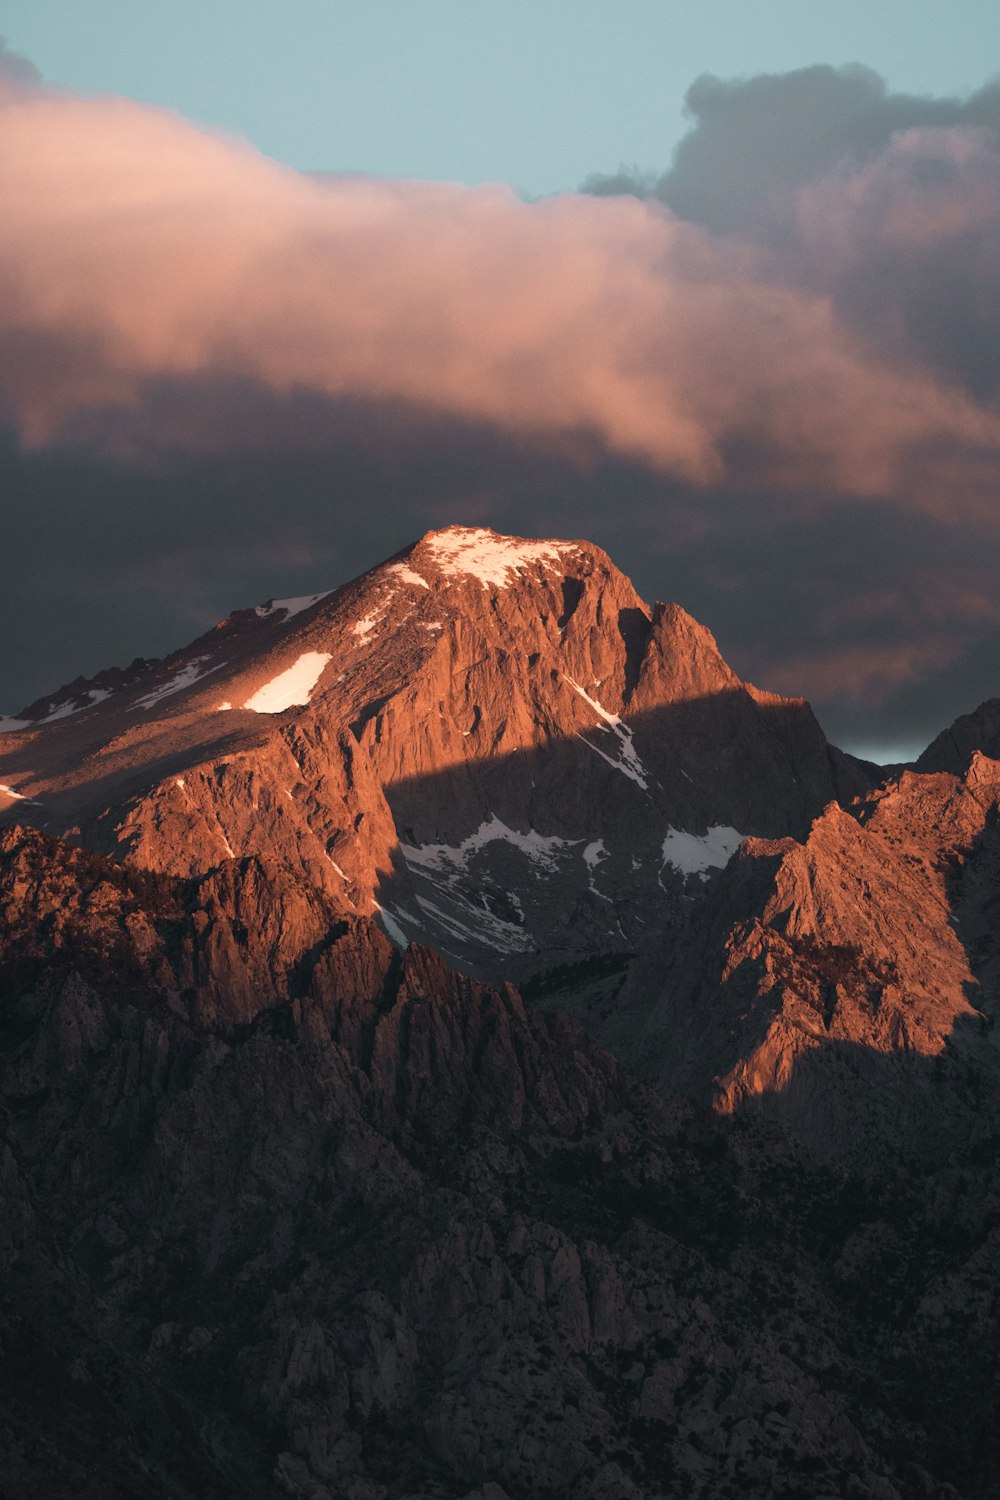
x,y
775,368
138,250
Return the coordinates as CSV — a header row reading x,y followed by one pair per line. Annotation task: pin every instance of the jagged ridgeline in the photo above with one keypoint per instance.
x,y
301,1196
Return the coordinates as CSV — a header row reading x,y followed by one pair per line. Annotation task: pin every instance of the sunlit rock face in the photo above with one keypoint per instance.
x,y
492,741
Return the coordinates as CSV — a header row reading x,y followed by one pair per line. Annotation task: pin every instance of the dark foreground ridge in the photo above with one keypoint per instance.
x,y
372,1229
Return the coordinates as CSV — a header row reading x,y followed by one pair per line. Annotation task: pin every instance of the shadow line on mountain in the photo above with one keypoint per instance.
x,y
760,763
725,760
851,1102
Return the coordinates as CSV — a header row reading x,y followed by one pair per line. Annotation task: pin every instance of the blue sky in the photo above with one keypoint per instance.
x,y
535,94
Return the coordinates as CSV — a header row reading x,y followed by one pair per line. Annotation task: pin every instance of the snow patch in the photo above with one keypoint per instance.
x,y
445,858
694,854
11,726
593,856
291,688
17,796
494,560
407,575
594,853
363,628
291,607
68,708
185,678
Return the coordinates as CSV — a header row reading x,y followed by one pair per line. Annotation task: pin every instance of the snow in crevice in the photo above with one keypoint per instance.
x,y
393,930
291,607
461,909
364,628
292,688
628,762
480,927
495,561
383,593
695,854
185,678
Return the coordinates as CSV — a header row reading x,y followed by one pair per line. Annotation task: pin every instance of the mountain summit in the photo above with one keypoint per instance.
x,y
493,741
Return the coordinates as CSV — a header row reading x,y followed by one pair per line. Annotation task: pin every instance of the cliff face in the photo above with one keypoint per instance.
x,y
287,1213
494,741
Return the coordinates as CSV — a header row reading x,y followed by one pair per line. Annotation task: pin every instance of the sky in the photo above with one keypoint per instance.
x,y
720,291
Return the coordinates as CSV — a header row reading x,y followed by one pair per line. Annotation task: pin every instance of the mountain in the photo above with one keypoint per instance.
x,y
287,1213
494,742
302,1197
954,747
823,975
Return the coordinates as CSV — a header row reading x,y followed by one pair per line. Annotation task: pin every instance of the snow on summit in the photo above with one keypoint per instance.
x,y
493,559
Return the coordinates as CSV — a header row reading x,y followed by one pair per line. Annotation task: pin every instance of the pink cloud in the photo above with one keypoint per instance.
x,y
137,249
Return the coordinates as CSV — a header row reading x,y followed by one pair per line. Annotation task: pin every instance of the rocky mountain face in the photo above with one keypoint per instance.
x,y
289,1213
493,741
301,1197
820,977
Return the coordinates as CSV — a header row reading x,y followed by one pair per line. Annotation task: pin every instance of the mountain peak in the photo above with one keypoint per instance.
x,y
491,740
491,558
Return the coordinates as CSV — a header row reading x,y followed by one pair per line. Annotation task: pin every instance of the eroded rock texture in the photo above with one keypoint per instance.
x,y
286,1213
493,741
286,1210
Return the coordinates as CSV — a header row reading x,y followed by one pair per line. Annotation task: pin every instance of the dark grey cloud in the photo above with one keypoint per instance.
x,y
887,203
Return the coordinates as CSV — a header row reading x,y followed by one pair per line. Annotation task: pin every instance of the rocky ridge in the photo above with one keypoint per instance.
x,y
492,740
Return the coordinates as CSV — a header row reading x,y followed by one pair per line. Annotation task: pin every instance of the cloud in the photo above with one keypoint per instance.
x,y
16,70
756,141
765,381
887,205
142,254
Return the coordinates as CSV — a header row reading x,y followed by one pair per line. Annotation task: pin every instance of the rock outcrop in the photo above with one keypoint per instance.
x,y
835,981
